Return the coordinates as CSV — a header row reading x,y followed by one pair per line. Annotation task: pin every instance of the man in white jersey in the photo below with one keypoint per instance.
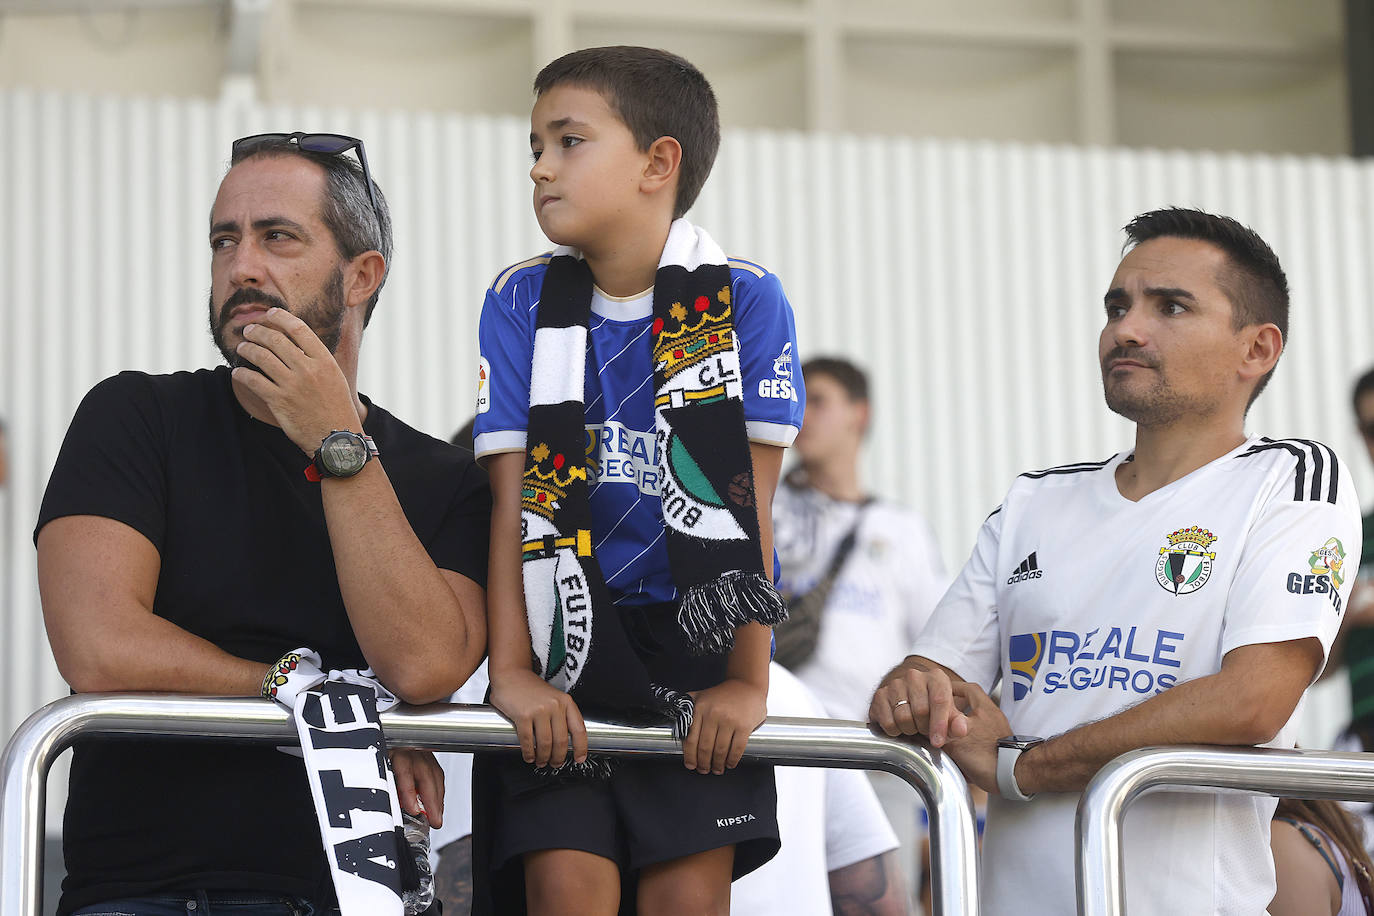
x,y
1183,592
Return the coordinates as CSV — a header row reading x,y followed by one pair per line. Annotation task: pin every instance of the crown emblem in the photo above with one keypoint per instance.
x,y
1192,535
543,490
674,350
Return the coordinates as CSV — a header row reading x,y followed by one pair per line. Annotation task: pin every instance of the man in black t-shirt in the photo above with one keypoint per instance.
x,y
183,547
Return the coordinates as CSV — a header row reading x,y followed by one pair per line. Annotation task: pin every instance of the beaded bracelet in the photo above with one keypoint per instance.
x,y
276,675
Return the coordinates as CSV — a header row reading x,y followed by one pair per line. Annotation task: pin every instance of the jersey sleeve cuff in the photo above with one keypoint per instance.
x,y
498,441
765,433
1284,632
881,839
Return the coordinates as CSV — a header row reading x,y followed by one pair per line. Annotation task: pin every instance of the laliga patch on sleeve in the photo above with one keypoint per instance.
x,y
483,385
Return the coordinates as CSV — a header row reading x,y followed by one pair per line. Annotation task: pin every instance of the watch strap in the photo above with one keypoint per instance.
x,y
1007,755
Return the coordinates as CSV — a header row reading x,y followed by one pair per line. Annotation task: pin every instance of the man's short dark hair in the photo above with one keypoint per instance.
x,y
1255,284
847,375
346,209
1364,386
656,94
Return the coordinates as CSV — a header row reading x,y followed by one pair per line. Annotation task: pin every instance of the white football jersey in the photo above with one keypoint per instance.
x,y
1085,602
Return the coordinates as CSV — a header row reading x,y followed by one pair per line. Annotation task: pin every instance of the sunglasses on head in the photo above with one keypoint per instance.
x,y
329,144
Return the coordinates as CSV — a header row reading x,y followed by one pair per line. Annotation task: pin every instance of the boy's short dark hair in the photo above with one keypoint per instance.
x,y
847,375
1255,284
657,94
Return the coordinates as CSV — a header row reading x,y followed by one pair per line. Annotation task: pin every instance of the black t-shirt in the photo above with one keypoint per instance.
x,y
247,565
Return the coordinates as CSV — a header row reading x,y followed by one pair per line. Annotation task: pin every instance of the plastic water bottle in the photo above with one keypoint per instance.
x,y
417,839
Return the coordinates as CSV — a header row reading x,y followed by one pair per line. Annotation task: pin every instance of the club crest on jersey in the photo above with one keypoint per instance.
x,y
1329,559
1186,564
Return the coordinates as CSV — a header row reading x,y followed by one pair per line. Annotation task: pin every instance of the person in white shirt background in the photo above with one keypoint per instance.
x,y
861,574
1182,592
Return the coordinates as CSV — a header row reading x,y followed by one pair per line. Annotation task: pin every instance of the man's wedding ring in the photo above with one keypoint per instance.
x,y
899,703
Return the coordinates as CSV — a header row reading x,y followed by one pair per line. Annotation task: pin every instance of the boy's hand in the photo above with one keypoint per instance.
x,y
544,717
725,717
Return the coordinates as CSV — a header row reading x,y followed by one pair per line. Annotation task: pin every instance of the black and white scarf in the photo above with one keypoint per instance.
x,y
705,472
336,716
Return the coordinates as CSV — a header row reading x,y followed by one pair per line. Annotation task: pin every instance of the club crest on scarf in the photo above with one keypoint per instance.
x,y
560,617
695,355
702,339
706,484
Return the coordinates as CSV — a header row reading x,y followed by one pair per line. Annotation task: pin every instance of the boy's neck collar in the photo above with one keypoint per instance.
x,y
626,268
596,290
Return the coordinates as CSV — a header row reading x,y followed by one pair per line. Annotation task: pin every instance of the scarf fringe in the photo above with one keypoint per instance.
x,y
678,706
711,611
596,766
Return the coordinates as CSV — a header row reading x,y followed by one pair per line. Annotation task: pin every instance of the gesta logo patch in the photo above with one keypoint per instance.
x,y
1326,573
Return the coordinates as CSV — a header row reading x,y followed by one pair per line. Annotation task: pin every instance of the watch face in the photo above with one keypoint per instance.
x,y
343,454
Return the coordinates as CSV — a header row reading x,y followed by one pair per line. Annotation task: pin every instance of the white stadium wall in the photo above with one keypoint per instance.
x,y
966,276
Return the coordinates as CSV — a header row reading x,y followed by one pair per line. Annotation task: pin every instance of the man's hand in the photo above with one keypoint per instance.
x,y
726,715
976,751
300,382
419,784
917,698
544,717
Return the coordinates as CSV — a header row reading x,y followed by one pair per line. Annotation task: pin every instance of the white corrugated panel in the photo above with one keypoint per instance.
x,y
966,276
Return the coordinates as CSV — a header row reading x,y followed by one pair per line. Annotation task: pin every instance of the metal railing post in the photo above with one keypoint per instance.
x,y
795,742
1195,768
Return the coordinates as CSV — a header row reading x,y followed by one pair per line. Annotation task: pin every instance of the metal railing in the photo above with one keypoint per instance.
x,y
795,742
1195,768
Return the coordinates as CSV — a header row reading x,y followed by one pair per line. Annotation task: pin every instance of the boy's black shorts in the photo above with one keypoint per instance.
x,y
649,810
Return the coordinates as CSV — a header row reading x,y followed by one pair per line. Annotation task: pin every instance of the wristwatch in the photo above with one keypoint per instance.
x,y
1009,750
342,454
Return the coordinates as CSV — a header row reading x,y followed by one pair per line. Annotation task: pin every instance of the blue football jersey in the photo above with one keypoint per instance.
x,y
618,394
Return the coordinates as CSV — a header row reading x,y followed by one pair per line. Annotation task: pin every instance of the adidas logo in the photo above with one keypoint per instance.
x,y
1029,569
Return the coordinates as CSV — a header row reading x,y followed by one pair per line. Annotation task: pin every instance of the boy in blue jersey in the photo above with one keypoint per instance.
x,y
636,395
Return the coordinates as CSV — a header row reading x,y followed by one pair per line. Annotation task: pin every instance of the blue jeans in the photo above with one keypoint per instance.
x,y
207,903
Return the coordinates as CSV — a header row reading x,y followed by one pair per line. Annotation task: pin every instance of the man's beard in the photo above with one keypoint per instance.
x,y
1158,405
324,315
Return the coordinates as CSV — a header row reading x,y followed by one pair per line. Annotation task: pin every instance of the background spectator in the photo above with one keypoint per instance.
x,y
861,574
1319,860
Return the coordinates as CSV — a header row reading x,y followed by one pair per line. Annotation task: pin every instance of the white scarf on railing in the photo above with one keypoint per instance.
x,y
350,777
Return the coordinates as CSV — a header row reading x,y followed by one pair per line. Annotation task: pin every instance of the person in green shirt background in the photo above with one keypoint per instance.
x,y
1355,644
